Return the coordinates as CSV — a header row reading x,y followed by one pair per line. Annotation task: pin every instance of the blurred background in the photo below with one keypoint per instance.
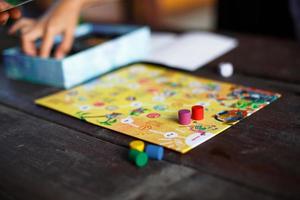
x,y
268,17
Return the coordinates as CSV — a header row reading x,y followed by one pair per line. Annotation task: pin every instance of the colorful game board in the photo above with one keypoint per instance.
x,y
143,101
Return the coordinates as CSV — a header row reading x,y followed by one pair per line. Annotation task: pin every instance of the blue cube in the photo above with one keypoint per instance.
x,y
154,152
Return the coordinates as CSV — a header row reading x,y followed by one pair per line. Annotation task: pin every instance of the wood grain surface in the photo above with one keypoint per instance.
x,y
48,155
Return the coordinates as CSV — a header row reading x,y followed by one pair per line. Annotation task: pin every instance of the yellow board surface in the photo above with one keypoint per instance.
x,y
143,101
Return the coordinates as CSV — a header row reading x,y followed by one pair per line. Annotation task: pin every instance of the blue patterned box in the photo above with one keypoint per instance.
x,y
131,44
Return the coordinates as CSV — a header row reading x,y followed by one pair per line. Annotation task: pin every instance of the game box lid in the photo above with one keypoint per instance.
x,y
98,48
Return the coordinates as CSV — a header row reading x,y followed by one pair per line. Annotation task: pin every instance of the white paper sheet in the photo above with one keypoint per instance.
x,y
189,51
161,40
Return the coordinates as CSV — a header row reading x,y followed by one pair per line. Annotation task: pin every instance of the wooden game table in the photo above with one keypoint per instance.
x,y
48,155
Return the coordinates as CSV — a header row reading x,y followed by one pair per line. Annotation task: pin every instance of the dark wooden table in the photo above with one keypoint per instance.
x,y
47,155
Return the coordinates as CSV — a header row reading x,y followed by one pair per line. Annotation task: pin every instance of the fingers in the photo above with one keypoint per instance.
x,y
28,47
65,45
4,5
48,40
31,31
28,41
22,24
15,13
3,18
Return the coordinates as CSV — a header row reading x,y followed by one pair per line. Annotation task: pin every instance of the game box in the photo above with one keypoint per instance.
x,y
97,49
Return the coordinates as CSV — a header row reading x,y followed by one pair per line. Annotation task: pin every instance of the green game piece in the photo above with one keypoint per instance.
x,y
139,158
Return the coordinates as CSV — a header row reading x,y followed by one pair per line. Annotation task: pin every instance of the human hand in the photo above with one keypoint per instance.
x,y
61,20
14,13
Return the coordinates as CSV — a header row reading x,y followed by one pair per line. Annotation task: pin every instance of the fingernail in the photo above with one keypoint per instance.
x,y
59,57
43,56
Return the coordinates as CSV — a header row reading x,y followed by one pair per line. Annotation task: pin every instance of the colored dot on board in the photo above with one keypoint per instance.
x,y
98,104
153,115
160,107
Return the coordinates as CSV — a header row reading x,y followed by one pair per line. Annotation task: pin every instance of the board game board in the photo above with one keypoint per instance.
x,y
143,100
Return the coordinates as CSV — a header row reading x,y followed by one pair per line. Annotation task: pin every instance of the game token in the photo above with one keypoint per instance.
x,y
226,69
154,152
184,116
137,145
197,112
140,159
